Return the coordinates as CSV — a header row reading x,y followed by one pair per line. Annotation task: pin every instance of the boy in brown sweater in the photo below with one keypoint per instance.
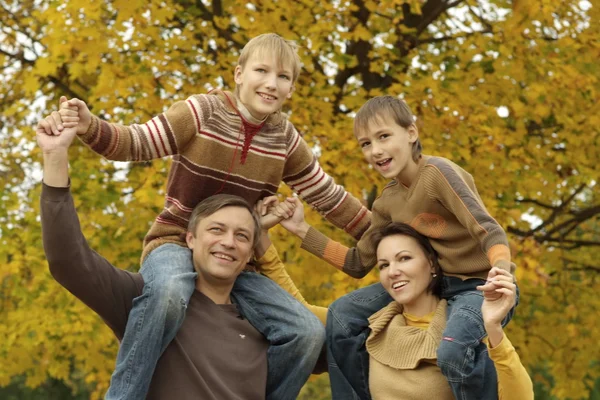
x,y
236,143
440,200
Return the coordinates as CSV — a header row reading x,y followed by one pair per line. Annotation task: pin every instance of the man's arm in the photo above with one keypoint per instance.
x,y
445,185
306,178
105,289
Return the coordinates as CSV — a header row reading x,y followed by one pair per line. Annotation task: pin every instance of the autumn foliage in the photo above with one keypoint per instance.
x,y
508,90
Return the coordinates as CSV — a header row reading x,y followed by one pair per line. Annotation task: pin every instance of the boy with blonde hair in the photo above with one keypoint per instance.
x,y
439,199
236,143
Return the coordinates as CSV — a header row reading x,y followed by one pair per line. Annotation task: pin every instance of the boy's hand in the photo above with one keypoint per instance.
x,y
499,297
76,111
296,223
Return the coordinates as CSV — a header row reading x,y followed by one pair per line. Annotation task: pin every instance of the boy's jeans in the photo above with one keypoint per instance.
x,y
462,357
295,335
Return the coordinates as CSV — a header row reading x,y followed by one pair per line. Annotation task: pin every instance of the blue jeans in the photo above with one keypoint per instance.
x,y
295,335
462,357
347,331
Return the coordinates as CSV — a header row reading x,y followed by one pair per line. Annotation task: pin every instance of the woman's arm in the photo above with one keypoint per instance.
x,y
499,297
271,265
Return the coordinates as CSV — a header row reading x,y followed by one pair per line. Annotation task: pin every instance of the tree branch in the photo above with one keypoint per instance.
x,y
577,218
447,38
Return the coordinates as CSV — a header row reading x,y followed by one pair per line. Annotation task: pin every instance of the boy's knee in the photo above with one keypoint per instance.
x,y
334,328
308,341
313,332
341,305
171,295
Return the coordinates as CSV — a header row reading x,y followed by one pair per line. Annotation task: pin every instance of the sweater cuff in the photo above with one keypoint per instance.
x,y
94,126
270,256
315,242
505,265
55,194
502,350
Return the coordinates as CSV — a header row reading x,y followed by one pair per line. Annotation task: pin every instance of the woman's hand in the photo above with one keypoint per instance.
x,y
499,296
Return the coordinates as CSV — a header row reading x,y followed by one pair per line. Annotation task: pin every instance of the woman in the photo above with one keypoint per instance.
x,y
405,335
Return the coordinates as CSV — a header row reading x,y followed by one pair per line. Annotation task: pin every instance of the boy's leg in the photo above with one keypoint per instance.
x,y
347,332
462,357
155,318
296,335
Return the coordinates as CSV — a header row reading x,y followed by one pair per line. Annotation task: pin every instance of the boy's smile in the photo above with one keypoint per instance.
x,y
264,84
387,146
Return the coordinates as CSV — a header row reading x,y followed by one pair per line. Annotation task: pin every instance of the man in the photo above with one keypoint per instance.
x,y
216,354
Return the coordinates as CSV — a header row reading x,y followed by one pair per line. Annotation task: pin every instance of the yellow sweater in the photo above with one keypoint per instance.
x,y
403,348
402,362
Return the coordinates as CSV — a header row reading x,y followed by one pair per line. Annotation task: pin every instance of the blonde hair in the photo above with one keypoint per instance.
x,y
285,51
390,107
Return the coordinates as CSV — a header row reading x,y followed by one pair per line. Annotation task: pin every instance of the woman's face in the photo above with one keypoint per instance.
x,y
405,271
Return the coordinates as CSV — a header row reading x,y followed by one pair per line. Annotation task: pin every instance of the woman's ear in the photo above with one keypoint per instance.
x,y
431,265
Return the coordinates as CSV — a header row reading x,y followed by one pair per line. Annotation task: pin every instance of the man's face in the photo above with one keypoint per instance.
x,y
264,84
222,245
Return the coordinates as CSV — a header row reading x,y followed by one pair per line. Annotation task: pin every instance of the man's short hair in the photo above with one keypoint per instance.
x,y
285,51
387,107
216,202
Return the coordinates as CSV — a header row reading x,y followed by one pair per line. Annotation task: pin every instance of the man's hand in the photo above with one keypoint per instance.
x,y
296,223
499,297
54,136
54,124
54,142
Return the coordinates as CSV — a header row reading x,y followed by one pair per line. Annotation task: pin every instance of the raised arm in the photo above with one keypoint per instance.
x,y
499,297
271,265
105,289
164,135
444,184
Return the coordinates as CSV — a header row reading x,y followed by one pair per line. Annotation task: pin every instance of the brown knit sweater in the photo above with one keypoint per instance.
x,y
216,149
442,204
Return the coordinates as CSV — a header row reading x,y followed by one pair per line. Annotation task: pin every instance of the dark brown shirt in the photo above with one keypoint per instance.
x,y
215,355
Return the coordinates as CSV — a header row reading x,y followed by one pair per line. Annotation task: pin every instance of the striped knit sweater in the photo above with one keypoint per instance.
x,y
442,204
217,148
